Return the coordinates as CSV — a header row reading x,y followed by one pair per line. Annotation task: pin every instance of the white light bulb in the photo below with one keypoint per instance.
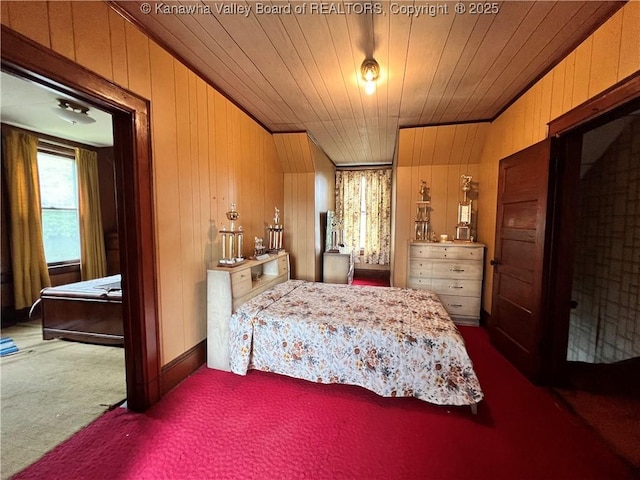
x,y
368,74
370,87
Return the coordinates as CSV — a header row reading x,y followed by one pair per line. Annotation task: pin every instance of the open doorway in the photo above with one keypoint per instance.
x,y
605,318
595,291
132,158
69,363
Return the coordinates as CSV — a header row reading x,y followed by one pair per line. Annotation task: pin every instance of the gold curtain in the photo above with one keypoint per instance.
x,y
348,206
377,240
377,192
30,273
93,261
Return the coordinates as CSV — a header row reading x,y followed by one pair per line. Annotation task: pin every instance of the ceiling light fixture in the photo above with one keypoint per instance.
x,y
73,112
370,71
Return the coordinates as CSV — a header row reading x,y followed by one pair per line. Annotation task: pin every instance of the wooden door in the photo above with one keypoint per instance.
x,y
517,317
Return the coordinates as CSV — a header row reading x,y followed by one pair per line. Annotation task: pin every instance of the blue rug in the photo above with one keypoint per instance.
x,y
7,346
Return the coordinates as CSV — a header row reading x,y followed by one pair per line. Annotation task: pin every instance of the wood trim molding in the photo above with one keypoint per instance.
x,y
132,148
613,97
183,366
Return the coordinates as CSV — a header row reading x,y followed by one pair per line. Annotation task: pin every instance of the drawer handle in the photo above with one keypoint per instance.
x,y
453,305
456,270
454,286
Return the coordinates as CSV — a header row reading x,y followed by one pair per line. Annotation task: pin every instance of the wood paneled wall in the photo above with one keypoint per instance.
x,y
325,200
309,190
206,152
439,155
441,145
609,55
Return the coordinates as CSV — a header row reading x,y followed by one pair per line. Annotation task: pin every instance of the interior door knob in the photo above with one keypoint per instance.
x,y
494,262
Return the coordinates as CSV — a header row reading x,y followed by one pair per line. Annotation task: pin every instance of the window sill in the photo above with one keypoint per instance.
x,y
61,268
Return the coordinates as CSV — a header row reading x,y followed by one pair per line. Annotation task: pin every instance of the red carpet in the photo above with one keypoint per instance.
x,y
376,279
218,425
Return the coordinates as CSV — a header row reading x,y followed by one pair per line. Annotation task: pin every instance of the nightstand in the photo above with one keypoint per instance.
x,y
337,267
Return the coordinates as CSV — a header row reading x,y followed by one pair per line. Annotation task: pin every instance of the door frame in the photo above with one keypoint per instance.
x,y
132,151
569,128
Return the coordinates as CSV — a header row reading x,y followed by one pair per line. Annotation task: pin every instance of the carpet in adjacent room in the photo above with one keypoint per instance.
x,y
51,389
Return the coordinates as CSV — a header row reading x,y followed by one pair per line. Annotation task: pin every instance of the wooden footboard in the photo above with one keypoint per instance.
x,y
88,312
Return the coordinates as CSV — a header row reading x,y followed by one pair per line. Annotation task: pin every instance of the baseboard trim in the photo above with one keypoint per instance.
x,y
485,318
10,316
180,368
372,267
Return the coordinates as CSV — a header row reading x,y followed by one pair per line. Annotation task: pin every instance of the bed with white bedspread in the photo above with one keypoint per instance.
x,y
393,341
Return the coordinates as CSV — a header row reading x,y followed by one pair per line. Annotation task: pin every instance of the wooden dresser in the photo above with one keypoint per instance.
x,y
453,271
230,287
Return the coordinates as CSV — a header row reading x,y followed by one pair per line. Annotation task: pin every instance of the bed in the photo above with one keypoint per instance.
x,y
88,311
395,342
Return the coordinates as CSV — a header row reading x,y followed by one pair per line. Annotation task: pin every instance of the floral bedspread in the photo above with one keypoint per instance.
x,y
393,341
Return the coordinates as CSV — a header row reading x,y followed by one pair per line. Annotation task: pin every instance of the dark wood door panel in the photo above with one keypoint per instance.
x,y
518,326
518,296
520,235
514,288
517,188
520,215
517,259
521,356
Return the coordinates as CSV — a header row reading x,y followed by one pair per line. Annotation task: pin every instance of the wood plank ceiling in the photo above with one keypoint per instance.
x,y
297,72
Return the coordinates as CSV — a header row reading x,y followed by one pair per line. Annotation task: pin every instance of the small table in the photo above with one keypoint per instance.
x,y
337,266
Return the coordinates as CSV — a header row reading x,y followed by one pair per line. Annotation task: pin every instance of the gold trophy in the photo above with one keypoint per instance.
x,y
423,214
231,240
276,232
465,212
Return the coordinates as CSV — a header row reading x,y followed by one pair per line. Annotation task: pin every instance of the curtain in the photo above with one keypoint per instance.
x,y
376,190
30,273
377,240
93,262
348,207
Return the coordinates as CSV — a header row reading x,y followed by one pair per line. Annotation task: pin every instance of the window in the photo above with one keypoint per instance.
x,y
363,203
363,213
59,203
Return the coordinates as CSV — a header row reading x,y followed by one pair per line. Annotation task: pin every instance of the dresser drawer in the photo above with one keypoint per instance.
x,y
447,251
456,286
420,268
241,282
471,270
423,283
283,264
423,251
468,306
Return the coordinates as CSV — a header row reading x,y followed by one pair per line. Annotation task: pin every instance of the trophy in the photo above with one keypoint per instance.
x,y
258,247
337,240
276,232
231,240
423,213
465,212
